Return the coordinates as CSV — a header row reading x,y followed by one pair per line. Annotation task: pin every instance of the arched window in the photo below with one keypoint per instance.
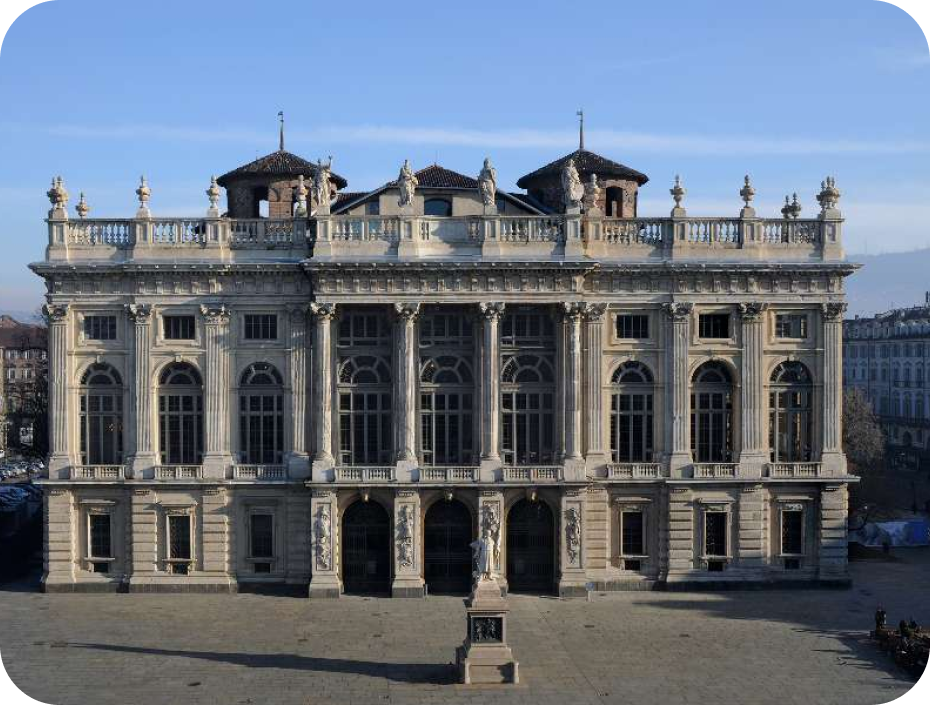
x,y
631,414
712,414
101,416
447,411
365,422
261,415
528,391
441,207
790,418
180,415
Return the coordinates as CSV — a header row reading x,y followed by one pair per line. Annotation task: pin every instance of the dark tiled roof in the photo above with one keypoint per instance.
x,y
587,163
280,163
345,197
436,176
529,201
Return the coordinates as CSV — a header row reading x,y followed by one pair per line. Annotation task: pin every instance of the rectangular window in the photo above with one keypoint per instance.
x,y
179,327
261,535
373,208
633,325
632,538
792,325
715,534
261,326
714,325
100,536
179,543
100,327
792,532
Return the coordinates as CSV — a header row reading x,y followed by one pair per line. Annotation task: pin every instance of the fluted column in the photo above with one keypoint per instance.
x,y
323,315
58,370
679,317
405,381
298,463
834,462
217,453
572,382
143,456
491,378
594,383
752,391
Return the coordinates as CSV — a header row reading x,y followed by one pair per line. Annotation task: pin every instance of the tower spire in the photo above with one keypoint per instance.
x,y
281,131
580,115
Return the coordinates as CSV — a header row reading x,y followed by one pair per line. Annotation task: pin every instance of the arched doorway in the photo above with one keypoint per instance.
x,y
447,537
530,547
366,549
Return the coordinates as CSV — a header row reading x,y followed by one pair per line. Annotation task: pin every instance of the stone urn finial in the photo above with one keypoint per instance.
x,y
58,196
829,195
143,193
747,193
213,193
302,191
82,208
678,193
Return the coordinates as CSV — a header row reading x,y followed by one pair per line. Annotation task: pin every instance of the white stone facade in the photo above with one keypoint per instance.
x,y
333,400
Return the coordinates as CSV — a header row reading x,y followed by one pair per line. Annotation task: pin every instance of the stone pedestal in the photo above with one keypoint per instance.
x,y
484,657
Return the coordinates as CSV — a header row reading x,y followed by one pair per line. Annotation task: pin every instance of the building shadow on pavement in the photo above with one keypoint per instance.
x,y
420,673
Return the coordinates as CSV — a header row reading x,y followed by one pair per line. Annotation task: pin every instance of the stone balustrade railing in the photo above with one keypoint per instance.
x,y
259,472
98,472
369,473
793,469
634,471
178,472
410,236
715,470
448,473
534,473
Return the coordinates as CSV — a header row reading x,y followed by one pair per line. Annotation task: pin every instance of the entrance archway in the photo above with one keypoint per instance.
x,y
366,549
447,537
530,547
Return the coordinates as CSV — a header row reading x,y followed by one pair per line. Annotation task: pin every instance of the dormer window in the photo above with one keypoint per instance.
x,y
440,207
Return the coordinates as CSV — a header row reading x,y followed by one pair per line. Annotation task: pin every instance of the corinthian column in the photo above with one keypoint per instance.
x,y
834,462
59,462
679,317
594,383
573,316
405,382
217,455
141,391
323,315
298,459
752,407
491,381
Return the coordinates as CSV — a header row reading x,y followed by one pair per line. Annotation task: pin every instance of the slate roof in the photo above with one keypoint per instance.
x,y
436,176
279,163
587,163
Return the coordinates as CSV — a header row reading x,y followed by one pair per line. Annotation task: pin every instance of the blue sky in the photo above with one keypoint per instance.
x,y
103,91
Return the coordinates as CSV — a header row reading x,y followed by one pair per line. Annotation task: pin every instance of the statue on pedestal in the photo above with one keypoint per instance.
x,y
487,184
483,554
572,188
407,183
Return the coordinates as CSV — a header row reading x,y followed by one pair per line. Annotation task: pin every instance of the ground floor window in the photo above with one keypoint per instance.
x,y
716,548
99,541
792,530
261,541
179,543
632,535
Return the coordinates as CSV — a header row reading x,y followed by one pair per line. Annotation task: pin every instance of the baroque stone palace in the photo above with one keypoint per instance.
x,y
887,356
344,392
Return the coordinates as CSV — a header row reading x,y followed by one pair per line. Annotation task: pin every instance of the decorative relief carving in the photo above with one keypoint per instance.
x,y
214,314
56,313
678,310
405,531
323,311
491,527
573,534
141,314
833,310
407,311
574,310
751,311
322,538
486,630
595,311
492,310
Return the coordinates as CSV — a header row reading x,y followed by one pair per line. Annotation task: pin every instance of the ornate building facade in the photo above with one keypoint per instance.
x,y
344,394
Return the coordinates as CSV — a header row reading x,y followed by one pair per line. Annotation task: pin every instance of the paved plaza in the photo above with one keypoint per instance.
x,y
787,646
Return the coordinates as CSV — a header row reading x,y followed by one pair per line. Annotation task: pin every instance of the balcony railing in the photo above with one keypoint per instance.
x,y
178,472
714,470
794,469
369,473
98,472
259,472
634,471
448,473
532,473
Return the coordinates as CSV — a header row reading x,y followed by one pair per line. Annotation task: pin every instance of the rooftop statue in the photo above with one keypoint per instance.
x,y
321,186
572,188
407,183
487,183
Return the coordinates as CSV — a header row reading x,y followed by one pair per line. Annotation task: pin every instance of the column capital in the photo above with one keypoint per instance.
x,y
574,310
141,314
833,310
214,314
492,310
678,310
297,312
407,310
751,311
594,312
323,311
56,313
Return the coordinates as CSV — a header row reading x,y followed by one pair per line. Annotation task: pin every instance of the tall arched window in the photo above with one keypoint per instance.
x,y
527,406
365,422
180,415
437,206
631,414
101,416
791,400
446,411
261,415
712,414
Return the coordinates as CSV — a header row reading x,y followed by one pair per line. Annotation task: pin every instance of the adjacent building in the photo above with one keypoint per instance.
x,y
24,367
887,356
342,394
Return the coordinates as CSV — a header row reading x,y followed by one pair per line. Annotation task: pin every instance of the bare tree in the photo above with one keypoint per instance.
x,y
863,440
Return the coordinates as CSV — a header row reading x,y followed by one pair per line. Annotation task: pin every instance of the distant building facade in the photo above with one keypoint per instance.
x,y
887,356
344,394
24,367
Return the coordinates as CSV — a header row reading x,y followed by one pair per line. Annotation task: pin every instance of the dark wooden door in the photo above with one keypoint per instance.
x,y
447,538
366,549
530,548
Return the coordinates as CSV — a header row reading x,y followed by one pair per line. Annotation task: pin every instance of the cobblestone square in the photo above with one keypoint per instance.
x,y
786,646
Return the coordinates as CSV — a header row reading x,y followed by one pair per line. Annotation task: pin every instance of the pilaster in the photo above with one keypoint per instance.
x,y
59,461
676,351
59,538
681,548
753,450
573,545
574,465
215,510
323,314
833,549
491,388
593,422
752,520
405,390
142,455
408,558
324,543
832,458
144,536
298,459
217,457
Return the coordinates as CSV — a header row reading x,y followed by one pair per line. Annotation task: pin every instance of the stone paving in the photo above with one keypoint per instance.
x,y
787,646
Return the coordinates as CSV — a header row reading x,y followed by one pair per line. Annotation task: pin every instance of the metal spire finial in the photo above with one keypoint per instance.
x,y
281,131
580,115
